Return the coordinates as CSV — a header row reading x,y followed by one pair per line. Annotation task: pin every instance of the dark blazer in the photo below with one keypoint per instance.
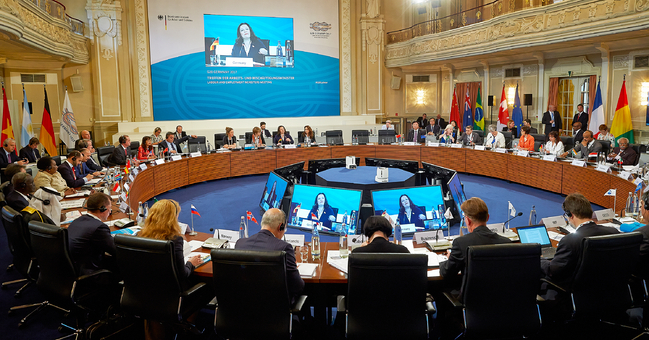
x,y
182,135
423,123
381,245
32,155
628,156
228,141
421,135
92,165
284,141
265,240
266,133
414,217
83,169
89,239
561,268
533,130
186,266
514,131
642,269
300,138
435,129
583,119
439,122
4,162
166,145
480,236
239,51
16,201
324,218
464,138
118,156
68,176
548,126
578,137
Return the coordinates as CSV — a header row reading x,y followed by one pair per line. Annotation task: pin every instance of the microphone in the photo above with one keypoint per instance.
x,y
517,215
45,202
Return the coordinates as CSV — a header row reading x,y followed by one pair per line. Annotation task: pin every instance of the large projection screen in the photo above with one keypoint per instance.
x,y
244,59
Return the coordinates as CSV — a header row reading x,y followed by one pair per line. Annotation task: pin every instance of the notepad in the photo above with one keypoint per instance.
x,y
72,204
307,269
126,231
206,257
334,260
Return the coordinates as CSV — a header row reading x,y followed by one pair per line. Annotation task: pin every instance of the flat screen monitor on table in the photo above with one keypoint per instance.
x,y
457,191
415,208
437,174
334,210
292,172
273,192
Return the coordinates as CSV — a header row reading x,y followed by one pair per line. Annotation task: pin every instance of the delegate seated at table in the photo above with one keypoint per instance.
x,y
526,142
494,138
378,230
587,146
622,153
554,146
322,211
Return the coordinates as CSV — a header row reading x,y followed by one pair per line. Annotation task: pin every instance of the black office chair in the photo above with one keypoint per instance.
x,y
480,133
362,135
508,138
410,166
57,160
568,143
218,140
19,246
511,272
103,153
376,294
135,145
600,289
537,145
197,144
152,288
248,137
606,146
636,148
251,285
539,137
387,136
334,137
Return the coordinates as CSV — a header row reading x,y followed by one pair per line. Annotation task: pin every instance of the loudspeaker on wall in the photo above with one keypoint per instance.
x,y
395,84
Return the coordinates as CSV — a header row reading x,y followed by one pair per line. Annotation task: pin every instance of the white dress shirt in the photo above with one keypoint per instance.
x,y
555,149
495,142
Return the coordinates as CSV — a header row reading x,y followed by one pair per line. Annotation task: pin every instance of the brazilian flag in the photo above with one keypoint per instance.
x,y
478,117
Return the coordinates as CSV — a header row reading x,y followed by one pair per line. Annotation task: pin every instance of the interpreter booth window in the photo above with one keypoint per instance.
x,y
572,92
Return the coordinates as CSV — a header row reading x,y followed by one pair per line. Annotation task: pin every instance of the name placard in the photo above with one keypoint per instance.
x,y
409,143
605,214
578,162
126,187
424,236
290,146
433,144
294,240
195,154
551,158
131,178
123,196
456,146
136,171
123,207
230,235
501,150
356,240
176,157
159,161
603,168
480,147
523,153
625,175
143,166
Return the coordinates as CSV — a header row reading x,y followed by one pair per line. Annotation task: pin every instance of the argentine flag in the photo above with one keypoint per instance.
x,y
27,131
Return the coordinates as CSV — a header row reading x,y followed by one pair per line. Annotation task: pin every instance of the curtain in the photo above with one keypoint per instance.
x,y
461,89
553,92
592,88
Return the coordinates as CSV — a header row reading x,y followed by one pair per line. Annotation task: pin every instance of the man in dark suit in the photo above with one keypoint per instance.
x,y
552,121
470,137
179,134
89,237
30,152
577,133
439,121
622,153
264,132
9,173
528,122
581,117
8,155
85,134
122,152
270,239
171,144
68,170
87,144
83,169
23,184
377,229
587,146
423,121
416,135
476,215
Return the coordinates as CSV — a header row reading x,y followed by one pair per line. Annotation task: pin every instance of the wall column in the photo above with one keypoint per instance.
x,y
606,69
541,104
373,45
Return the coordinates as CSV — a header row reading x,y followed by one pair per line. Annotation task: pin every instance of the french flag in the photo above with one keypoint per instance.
x,y
194,211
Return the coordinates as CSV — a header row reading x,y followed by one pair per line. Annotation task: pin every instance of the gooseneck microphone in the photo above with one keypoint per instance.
x,y
517,215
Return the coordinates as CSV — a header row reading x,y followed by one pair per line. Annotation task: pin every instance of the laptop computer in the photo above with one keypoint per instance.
x,y
537,234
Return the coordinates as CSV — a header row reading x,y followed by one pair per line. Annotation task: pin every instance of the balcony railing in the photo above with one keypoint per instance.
x,y
57,10
464,18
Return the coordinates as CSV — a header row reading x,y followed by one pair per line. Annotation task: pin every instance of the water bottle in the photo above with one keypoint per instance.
x,y
140,213
242,229
146,210
634,205
307,141
279,48
440,214
345,221
342,244
627,208
315,242
241,233
397,233
532,216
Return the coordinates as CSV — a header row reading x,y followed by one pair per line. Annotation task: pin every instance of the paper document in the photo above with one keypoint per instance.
x,y
555,236
127,231
80,193
612,225
334,259
93,181
433,258
71,204
433,273
307,269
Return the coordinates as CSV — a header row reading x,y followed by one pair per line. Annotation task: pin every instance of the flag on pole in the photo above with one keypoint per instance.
x,y
478,117
503,112
517,112
597,117
455,110
7,128
68,133
47,130
116,187
621,126
512,210
251,217
611,192
639,186
27,131
467,120
194,211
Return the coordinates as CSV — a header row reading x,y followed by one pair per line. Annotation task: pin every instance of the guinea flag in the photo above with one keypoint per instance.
x,y
621,126
47,130
478,117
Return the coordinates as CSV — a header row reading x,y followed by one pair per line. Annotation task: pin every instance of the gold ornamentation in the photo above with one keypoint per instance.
x,y
107,53
478,14
500,7
452,22
512,5
463,18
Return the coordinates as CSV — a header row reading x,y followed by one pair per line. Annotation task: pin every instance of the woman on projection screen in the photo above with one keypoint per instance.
x,y
248,45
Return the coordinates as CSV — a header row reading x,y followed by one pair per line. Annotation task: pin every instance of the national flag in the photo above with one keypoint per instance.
x,y
467,119
512,210
69,133
251,217
297,207
194,211
517,112
116,187
455,110
597,117
27,131
126,170
621,126
503,112
478,117
46,136
214,45
639,186
313,216
7,128
611,192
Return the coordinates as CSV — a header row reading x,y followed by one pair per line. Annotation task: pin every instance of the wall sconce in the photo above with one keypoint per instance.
x,y
421,94
645,93
511,93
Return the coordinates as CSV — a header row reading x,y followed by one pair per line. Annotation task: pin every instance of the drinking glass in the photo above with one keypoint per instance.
x,y
304,252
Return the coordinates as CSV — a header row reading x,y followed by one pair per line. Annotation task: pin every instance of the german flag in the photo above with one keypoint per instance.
x,y
47,130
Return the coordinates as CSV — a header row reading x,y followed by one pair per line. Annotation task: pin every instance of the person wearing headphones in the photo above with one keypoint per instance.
x,y
30,152
23,187
91,246
122,152
83,168
48,176
377,229
69,170
8,155
269,238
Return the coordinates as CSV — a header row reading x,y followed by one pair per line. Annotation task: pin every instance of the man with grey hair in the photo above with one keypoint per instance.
x,y
8,155
587,146
269,238
494,138
623,153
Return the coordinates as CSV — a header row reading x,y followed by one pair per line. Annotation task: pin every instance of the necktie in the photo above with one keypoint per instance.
x,y
173,146
552,117
74,173
414,139
125,153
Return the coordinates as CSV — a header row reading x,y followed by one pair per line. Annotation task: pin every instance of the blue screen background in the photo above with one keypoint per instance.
x,y
224,27
280,189
427,196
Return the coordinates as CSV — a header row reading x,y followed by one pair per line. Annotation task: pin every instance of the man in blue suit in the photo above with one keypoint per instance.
x,y
269,238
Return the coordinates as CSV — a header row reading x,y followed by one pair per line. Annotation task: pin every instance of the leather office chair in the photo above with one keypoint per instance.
x,y
103,153
152,288
539,137
568,143
23,259
57,160
512,313
636,148
197,144
248,137
508,138
218,140
410,166
480,133
251,285
394,309
387,136
606,146
537,145
362,135
334,137
135,145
